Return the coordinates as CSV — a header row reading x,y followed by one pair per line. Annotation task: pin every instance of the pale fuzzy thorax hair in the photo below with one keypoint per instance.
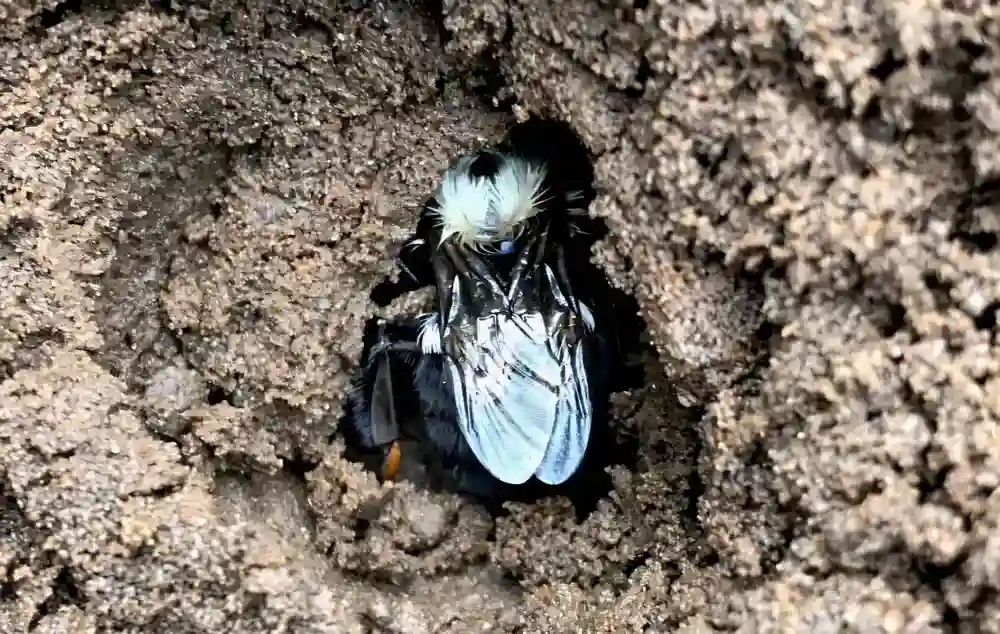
x,y
479,210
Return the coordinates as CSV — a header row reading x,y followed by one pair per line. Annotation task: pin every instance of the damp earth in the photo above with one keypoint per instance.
x,y
198,199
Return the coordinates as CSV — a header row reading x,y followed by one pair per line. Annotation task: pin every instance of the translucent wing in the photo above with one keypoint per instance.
x,y
571,430
522,402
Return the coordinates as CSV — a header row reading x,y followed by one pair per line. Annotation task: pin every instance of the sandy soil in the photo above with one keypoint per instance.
x,y
198,197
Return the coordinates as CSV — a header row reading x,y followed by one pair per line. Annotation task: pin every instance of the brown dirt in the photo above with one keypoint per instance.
x,y
198,196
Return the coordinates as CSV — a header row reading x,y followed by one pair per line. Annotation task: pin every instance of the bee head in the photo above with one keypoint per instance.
x,y
486,197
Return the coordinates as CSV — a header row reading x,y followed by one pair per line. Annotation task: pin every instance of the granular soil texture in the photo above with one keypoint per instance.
x,y
199,196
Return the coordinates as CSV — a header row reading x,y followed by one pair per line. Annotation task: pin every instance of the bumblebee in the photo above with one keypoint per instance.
x,y
511,370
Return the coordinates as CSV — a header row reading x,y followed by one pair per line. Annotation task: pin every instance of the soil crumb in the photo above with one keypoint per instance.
x,y
196,199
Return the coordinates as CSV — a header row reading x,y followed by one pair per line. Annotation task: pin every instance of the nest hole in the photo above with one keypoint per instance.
x,y
987,318
49,18
570,168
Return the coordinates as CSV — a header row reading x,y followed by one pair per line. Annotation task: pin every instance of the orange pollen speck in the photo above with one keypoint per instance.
x,y
390,466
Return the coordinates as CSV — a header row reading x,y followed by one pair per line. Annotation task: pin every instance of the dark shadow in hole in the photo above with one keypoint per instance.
x,y
435,10
569,168
888,65
643,74
980,241
939,288
987,319
51,17
65,591
766,335
891,319
969,229
217,395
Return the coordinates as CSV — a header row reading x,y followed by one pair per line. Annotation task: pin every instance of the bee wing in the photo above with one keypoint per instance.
x,y
521,405
571,431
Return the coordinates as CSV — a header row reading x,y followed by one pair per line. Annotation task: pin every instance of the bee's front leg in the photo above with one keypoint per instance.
x,y
415,268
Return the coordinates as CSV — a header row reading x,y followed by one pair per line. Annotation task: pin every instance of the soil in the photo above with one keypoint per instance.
x,y
198,197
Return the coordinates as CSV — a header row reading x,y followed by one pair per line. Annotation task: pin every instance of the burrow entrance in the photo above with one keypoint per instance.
x,y
569,160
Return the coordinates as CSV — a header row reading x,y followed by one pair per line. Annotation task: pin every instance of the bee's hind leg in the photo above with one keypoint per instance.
x,y
373,402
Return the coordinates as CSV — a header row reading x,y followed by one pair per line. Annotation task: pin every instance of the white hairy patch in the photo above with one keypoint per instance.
x,y
429,338
484,209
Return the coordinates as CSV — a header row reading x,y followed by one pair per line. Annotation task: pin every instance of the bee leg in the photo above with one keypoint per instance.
x,y
414,261
388,291
373,405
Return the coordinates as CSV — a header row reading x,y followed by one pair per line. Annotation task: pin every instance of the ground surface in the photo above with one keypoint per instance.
x,y
198,196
